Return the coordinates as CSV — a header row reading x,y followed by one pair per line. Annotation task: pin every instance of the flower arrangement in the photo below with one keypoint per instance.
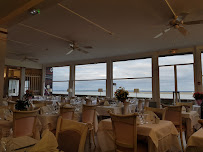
x,y
22,105
121,94
198,97
28,95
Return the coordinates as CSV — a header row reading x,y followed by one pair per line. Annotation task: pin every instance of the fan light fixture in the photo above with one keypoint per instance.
x,y
34,11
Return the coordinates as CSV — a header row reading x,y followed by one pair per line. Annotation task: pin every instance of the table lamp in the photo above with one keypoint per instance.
x,y
100,90
136,91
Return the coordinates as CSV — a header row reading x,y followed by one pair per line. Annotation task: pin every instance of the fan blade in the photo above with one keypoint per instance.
x,y
175,16
83,51
157,36
69,52
193,22
182,30
162,33
181,16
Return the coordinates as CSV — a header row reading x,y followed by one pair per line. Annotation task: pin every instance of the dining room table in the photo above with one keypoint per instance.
x,y
161,137
195,142
191,120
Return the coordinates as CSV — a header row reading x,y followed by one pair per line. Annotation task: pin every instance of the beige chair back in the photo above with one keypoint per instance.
x,y
160,112
71,135
173,113
67,112
24,123
201,122
125,131
88,102
185,104
88,113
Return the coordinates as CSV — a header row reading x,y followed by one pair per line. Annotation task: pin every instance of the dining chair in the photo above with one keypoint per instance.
x,y
187,105
160,112
67,112
71,135
11,105
140,104
24,123
201,122
125,133
173,114
146,103
88,102
88,116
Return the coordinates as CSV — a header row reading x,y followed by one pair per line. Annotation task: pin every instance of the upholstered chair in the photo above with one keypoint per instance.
x,y
71,135
160,112
67,112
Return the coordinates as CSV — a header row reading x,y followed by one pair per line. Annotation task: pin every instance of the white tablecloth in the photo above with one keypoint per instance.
x,y
162,136
191,119
195,142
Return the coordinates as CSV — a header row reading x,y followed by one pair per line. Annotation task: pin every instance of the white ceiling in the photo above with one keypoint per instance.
x,y
133,22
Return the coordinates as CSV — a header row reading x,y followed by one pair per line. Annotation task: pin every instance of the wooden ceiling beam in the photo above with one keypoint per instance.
x,y
20,10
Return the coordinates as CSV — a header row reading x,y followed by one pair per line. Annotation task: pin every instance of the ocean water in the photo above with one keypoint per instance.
x,y
163,95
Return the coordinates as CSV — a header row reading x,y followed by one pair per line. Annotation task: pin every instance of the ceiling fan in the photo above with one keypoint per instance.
x,y
74,47
29,59
24,57
177,23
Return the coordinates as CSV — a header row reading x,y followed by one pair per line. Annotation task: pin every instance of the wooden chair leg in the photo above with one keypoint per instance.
x,y
181,139
90,139
93,137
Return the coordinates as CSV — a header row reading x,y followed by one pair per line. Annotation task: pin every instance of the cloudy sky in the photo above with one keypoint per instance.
x,y
130,69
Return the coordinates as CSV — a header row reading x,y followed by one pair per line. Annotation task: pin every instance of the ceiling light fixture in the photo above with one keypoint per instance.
x,y
34,11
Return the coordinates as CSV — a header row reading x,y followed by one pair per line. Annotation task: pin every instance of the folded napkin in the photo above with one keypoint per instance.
x,y
48,143
67,106
106,103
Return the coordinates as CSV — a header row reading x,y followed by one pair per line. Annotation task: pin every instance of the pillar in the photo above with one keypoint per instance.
x,y
3,43
22,82
109,79
197,70
155,80
72,81
43,80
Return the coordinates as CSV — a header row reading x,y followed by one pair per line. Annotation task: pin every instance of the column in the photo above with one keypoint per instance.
x,y
3,43
197,70
109,79
22,82
43,80
155,80
72,81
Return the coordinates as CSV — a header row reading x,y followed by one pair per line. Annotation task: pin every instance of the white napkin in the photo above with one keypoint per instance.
x,y
48,143
106,103
67,106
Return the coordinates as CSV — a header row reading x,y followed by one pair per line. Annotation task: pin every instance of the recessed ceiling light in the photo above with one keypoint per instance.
x,y
34,11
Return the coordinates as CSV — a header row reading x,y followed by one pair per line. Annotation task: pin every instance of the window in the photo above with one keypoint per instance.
x,y
134,74
89,78
60,80
180,68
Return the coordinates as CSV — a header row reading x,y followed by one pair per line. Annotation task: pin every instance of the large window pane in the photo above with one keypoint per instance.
x,y
185,81
177,59
132,68
90,87
144,86
61,73
90,71
60,87
167,84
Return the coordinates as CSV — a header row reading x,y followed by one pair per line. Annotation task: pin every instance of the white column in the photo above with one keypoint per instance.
x,y
3,43
72,81
155,80
22,82
197,70
109,79
43,80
